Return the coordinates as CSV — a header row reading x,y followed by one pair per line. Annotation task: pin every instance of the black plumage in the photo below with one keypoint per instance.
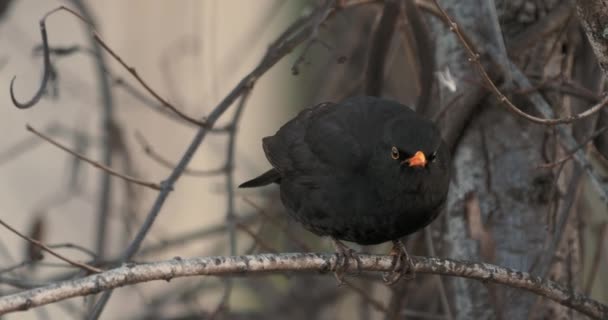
x,y
367,170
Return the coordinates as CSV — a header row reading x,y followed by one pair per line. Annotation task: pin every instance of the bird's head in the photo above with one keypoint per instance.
x,y
412,157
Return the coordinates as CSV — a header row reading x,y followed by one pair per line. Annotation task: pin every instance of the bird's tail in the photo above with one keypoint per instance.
x,y
266,178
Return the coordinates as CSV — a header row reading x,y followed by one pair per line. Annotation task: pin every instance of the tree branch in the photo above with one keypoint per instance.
x,y
293,262
96,164
46,248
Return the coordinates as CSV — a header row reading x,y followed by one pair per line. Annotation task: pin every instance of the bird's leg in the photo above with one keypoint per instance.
x,y
344,254
402,264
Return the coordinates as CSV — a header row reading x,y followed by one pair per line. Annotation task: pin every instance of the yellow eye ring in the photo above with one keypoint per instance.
x,y
394,153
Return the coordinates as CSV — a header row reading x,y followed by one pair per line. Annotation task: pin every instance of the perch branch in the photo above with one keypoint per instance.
x,y
293,262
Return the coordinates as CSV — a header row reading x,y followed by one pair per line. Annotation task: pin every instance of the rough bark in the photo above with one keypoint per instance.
x,y
294,262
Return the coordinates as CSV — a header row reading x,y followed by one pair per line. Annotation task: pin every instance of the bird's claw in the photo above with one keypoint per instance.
x,y
402,265
343,256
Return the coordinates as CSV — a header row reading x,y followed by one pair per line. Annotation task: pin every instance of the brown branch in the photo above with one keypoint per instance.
x,y
94,163
46,71
293,262
475,59
572,152
130,69
49,250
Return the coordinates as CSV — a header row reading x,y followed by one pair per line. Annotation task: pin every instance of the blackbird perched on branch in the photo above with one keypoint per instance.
x,y
366,170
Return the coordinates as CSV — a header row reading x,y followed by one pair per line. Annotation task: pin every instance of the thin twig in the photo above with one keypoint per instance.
x,y
94,163
566,138
46,71
131,70
295,262
74,246
23,146
571,153
51,251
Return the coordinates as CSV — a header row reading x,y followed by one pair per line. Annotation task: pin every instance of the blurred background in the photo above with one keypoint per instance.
x,y
502,209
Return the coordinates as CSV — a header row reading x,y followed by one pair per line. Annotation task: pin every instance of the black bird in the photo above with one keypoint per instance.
x,y
366,170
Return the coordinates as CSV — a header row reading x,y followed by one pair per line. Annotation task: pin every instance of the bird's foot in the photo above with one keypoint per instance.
x,y
402,265
344,255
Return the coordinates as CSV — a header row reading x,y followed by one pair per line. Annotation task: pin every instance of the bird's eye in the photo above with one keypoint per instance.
x,y
394,153
432,157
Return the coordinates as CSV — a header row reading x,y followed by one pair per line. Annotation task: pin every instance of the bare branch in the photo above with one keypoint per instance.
x,y
94,163
293,262
572,152
46,71
49,250
130,69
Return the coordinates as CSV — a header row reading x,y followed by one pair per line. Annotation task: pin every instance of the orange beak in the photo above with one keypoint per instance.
x,y
418,160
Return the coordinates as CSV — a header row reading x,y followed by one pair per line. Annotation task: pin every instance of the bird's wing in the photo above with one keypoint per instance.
x,y
288,150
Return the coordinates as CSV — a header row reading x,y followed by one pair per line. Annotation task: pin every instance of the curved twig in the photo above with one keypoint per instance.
x,y
293,262
96,37
46,71
96,164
